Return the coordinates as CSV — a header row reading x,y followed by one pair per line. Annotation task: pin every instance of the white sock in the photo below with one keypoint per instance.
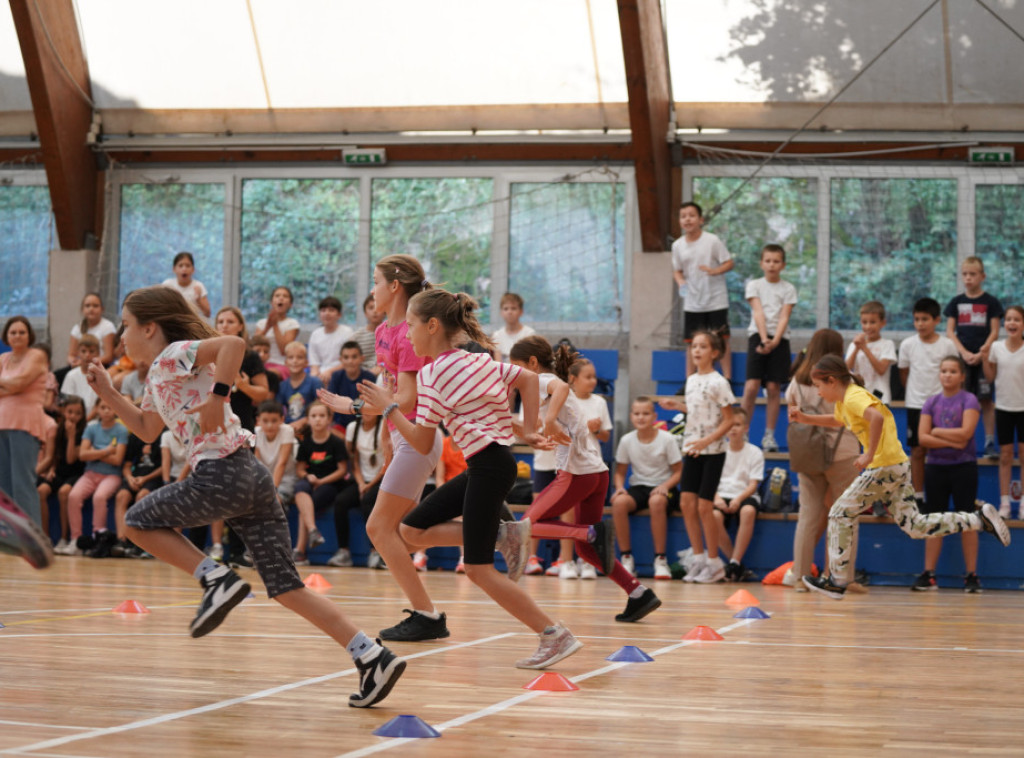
x,y
1004,500
430,614
638,592
919,495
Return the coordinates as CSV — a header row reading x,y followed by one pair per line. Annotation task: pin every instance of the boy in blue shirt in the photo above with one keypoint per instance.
x,y
346,380
299,389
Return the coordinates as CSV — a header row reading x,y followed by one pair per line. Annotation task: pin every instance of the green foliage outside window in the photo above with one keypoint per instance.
x,y
26,236
999,237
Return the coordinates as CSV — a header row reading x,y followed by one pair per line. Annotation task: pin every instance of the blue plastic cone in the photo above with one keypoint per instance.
x,y
629,654
406,726
752,612
251,594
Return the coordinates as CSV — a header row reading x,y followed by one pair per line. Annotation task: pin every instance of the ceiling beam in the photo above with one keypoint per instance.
x,y
650,102
58,82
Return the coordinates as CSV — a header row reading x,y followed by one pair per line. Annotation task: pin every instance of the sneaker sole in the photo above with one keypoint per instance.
x,y
995,523
21,536
607,551
203,626
925,589
391,676
642,611
821,591
576,645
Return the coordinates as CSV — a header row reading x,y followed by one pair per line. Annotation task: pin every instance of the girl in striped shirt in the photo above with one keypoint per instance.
x,y
468,392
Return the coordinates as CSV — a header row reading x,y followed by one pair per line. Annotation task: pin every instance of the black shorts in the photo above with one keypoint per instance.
x,y
729,518
959,481
701,474
58,482
150,486
641,495
913,420
1009,423
976,383
706,321
771,367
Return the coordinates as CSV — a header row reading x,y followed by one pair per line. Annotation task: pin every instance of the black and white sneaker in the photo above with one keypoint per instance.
x,y
993,522
223,590
604,544
637,608
376,677
416,628
825,586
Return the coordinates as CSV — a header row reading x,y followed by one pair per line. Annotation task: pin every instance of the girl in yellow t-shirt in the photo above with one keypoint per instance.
x,y
884,477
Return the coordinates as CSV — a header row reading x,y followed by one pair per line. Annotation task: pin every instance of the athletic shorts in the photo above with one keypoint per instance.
x,y
409,470
641,495
701,474
1009,423
706,321
773,367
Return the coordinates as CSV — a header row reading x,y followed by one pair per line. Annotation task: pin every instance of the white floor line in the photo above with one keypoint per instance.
x,y
101,732
526,696
44,726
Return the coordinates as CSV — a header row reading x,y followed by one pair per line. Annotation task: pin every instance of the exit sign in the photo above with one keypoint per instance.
x,y
364,157
1000,155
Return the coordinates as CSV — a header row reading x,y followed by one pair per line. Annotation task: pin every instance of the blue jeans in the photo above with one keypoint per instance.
x,y
19,452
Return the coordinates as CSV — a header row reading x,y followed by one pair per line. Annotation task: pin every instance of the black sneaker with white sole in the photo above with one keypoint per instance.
x,y
993,522
824,585
638,607
376,677
416,628
223,590
604,544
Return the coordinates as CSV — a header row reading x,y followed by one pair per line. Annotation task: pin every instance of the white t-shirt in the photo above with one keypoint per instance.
x,y
923,360
101,330
193,293
267,451
284,325
504,341
325,349
170,445
583,454
75,383
773,296
133,387
883,350
651,462
741,466
703,291
1009,377
706,395
366,444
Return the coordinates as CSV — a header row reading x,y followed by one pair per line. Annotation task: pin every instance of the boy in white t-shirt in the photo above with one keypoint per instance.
x,y
919,361
737,497
870,355
768,357
75,381
326,340
656,462
275,448
513,331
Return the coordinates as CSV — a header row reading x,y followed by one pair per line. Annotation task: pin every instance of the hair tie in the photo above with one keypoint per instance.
x,y
424,284
455,296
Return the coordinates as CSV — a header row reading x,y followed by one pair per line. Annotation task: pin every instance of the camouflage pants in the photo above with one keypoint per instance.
x,y
891,487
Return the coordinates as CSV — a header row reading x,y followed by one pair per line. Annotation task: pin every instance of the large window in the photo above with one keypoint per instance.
x,y
301,234
158,221
778,210
892,240
446,223
26,237
999,239
566,251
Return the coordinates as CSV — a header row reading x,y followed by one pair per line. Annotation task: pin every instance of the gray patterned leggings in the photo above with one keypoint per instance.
x,y
240,490
891,487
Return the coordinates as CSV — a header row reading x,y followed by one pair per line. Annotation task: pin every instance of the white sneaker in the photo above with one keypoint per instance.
x,y
553,648
586,570
514,545
713,571
1004,512
685,557
342,558
661,569
697,564
789,579
375,561
61,546
419,560
768,443
568,571
555,569
628,563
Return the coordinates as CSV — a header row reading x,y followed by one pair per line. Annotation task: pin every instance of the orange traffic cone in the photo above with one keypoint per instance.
x,y
551,682
703,633
317,582
131,606
742,597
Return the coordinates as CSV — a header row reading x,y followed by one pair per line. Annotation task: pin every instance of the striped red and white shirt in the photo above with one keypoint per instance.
x,y
468,392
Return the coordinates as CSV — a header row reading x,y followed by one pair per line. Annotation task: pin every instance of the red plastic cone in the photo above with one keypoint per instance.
x,y
703,633
551,682
317,582
131,606
742,597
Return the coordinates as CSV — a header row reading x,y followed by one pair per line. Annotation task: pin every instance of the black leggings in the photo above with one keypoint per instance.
x,y
477,495
348,499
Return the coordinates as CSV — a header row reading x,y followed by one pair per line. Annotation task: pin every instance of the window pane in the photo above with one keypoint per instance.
x,y
780,210
446,223
999,235
300,234
158,221
893,240
26,236
566,250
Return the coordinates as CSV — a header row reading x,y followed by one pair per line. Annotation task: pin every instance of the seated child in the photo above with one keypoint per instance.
x,y
261,346
737,496
326,341
275,448
345,381
75,382
141,475
103,448
299,389
321,465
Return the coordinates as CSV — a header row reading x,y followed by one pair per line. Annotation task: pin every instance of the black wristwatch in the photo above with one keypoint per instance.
x,y
221,390
357,406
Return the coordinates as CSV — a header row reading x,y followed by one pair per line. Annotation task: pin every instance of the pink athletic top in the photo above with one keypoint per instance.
x,y
395,355
23,411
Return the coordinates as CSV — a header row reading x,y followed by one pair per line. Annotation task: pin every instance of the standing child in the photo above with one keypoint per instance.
x,y
326,340
345,381
193,290
396,278
514,330
366,335
771,304
68,467
103,447
187,389
92,323
298,390
870,355
656,465
468,392
884,477
737,498
700,262
920,356
972,323
1004,365
946,430
279,328
320,467
708,409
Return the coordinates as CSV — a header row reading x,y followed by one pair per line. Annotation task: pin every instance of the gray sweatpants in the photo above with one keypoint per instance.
x,y
240,490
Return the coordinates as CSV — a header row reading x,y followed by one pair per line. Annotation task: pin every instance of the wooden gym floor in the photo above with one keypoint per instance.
x,y
888,673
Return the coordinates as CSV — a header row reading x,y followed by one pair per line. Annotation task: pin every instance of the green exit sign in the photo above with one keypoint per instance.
x,y
1000,155
364,157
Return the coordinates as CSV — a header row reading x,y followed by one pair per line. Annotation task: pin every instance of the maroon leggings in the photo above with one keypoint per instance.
x,y
586,495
